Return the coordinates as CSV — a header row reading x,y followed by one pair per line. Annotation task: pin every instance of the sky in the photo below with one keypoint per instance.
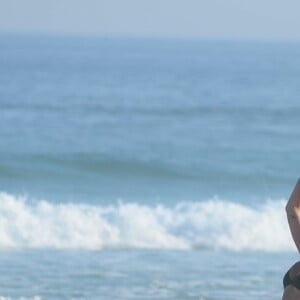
x,y
209,19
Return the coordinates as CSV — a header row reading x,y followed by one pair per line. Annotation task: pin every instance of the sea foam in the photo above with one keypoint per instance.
x,y
213,224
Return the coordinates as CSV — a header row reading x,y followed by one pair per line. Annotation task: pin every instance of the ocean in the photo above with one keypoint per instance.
x,y
146,168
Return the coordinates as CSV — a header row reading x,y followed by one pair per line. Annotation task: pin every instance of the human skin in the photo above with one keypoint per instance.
x,y
291,293
293,215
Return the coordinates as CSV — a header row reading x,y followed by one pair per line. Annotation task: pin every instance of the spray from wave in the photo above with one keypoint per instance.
x,y
213,224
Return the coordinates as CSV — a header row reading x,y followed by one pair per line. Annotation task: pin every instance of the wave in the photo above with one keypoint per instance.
x,y
21,298
80,163
213,224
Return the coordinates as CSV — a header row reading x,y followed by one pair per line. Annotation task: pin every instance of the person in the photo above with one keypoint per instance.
x,y
291,280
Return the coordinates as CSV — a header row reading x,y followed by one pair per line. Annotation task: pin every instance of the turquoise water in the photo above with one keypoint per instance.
x,y
137,169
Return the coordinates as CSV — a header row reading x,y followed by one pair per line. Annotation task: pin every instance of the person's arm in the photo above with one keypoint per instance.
x,y
293,214
291,293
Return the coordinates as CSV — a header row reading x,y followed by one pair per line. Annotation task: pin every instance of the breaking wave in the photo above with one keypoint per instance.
x,y
213,224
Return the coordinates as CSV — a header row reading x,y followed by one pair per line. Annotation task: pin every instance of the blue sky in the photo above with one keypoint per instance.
x,y
225,19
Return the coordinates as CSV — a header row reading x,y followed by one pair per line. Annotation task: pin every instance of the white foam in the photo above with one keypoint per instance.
x,y
213,224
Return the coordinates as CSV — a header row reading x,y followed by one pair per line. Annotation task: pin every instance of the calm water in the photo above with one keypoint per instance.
x,y
146,169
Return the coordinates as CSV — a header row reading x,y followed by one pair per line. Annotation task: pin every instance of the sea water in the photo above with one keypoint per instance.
x,y
146,169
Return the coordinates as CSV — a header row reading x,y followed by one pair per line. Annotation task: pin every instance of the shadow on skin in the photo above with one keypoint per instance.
x,y
291,293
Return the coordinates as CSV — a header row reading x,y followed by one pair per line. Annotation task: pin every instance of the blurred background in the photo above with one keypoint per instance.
x,y
133,133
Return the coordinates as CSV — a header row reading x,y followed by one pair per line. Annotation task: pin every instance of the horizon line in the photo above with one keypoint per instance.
x,y
88,35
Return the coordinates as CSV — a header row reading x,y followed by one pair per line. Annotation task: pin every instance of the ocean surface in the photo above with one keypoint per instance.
x,y
146,169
